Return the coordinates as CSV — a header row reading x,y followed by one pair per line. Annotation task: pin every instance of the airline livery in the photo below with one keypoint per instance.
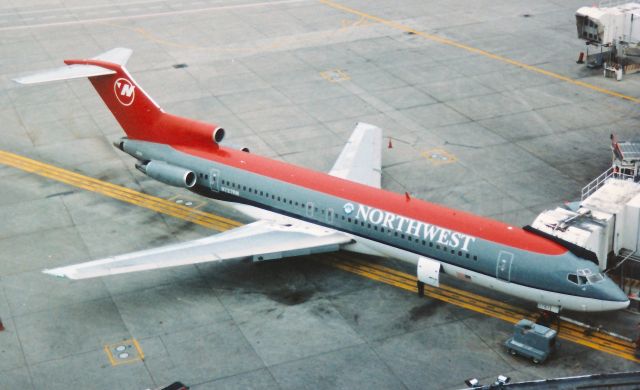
x,y
301,211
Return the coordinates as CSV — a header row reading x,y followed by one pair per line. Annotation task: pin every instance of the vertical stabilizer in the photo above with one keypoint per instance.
x,y
138,115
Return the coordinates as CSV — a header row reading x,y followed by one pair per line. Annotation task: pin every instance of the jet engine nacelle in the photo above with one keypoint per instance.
x,y
218,135
168,174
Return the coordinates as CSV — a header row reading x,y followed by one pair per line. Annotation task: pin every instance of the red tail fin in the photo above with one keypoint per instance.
x,y
139,116
134,110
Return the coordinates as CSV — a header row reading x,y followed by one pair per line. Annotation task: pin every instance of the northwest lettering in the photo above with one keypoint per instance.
x,y
418,229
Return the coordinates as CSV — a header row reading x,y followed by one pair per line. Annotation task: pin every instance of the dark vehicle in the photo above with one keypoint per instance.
x,y
531,340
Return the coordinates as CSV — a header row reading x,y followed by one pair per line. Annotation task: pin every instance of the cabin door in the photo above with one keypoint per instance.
x,y
503,268
214,180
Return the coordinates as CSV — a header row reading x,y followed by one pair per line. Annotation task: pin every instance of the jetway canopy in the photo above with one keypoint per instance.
x,y
606,222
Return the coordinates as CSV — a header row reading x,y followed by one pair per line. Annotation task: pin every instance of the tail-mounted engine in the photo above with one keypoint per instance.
x,y
168,174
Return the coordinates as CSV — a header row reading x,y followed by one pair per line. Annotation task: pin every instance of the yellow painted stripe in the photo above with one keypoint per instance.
x,y
497,309
118,192
371,270
450,42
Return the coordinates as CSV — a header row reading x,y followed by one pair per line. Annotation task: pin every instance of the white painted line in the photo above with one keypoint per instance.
x,y
80,7
151,15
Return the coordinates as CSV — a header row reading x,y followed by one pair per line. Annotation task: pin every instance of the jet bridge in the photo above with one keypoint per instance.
x,y
613,28
605,222
605,225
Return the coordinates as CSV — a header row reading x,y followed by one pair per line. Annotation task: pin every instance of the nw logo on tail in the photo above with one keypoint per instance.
x,y
125,91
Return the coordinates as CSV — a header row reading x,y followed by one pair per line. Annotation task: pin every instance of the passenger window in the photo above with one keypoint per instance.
x,y
475,257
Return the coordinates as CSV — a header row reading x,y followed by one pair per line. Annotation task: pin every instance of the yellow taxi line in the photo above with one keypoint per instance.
x,y
89,183
376,272
567,331
481,301
118,192
450,42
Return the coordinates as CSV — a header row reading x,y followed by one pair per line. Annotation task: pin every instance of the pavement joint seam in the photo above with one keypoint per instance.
x,y
450,42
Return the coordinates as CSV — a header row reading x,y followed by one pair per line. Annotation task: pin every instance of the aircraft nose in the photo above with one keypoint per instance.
x,y
616,298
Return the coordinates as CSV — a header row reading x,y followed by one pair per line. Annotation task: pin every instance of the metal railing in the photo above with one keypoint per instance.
x,y
599,181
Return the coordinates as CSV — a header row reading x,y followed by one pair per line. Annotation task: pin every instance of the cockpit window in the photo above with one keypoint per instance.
x,y
595,278
585,276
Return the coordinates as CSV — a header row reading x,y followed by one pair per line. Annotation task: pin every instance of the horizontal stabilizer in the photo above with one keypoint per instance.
x,y
64,73
115,56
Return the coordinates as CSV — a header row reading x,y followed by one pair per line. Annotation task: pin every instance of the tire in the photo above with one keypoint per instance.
x,y
535,361
512,352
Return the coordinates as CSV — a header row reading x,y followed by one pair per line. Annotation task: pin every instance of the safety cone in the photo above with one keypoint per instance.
x,y
390,146
580,58
1,325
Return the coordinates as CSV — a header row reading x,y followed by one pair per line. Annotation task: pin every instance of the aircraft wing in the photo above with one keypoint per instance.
x,y
361,158
262,240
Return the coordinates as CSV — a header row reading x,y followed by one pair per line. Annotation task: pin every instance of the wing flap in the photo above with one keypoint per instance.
x,y
361,158
264,240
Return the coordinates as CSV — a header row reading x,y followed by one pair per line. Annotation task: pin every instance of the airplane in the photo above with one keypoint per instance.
x,y
300,211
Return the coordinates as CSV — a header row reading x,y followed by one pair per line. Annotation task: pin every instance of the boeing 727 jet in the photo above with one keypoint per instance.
x,y
300,211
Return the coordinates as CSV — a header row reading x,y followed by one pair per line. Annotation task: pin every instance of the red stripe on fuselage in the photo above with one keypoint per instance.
x,y
413,208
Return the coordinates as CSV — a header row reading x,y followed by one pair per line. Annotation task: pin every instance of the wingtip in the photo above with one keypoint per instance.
x,y
55,272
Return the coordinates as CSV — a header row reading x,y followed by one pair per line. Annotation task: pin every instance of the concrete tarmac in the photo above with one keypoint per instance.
x,y
487,112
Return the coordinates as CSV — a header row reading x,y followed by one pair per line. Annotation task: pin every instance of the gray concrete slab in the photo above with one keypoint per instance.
x,y
89,370
521,142
341,369
462,348
198,355
65,331
17,378
252,380
191,305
